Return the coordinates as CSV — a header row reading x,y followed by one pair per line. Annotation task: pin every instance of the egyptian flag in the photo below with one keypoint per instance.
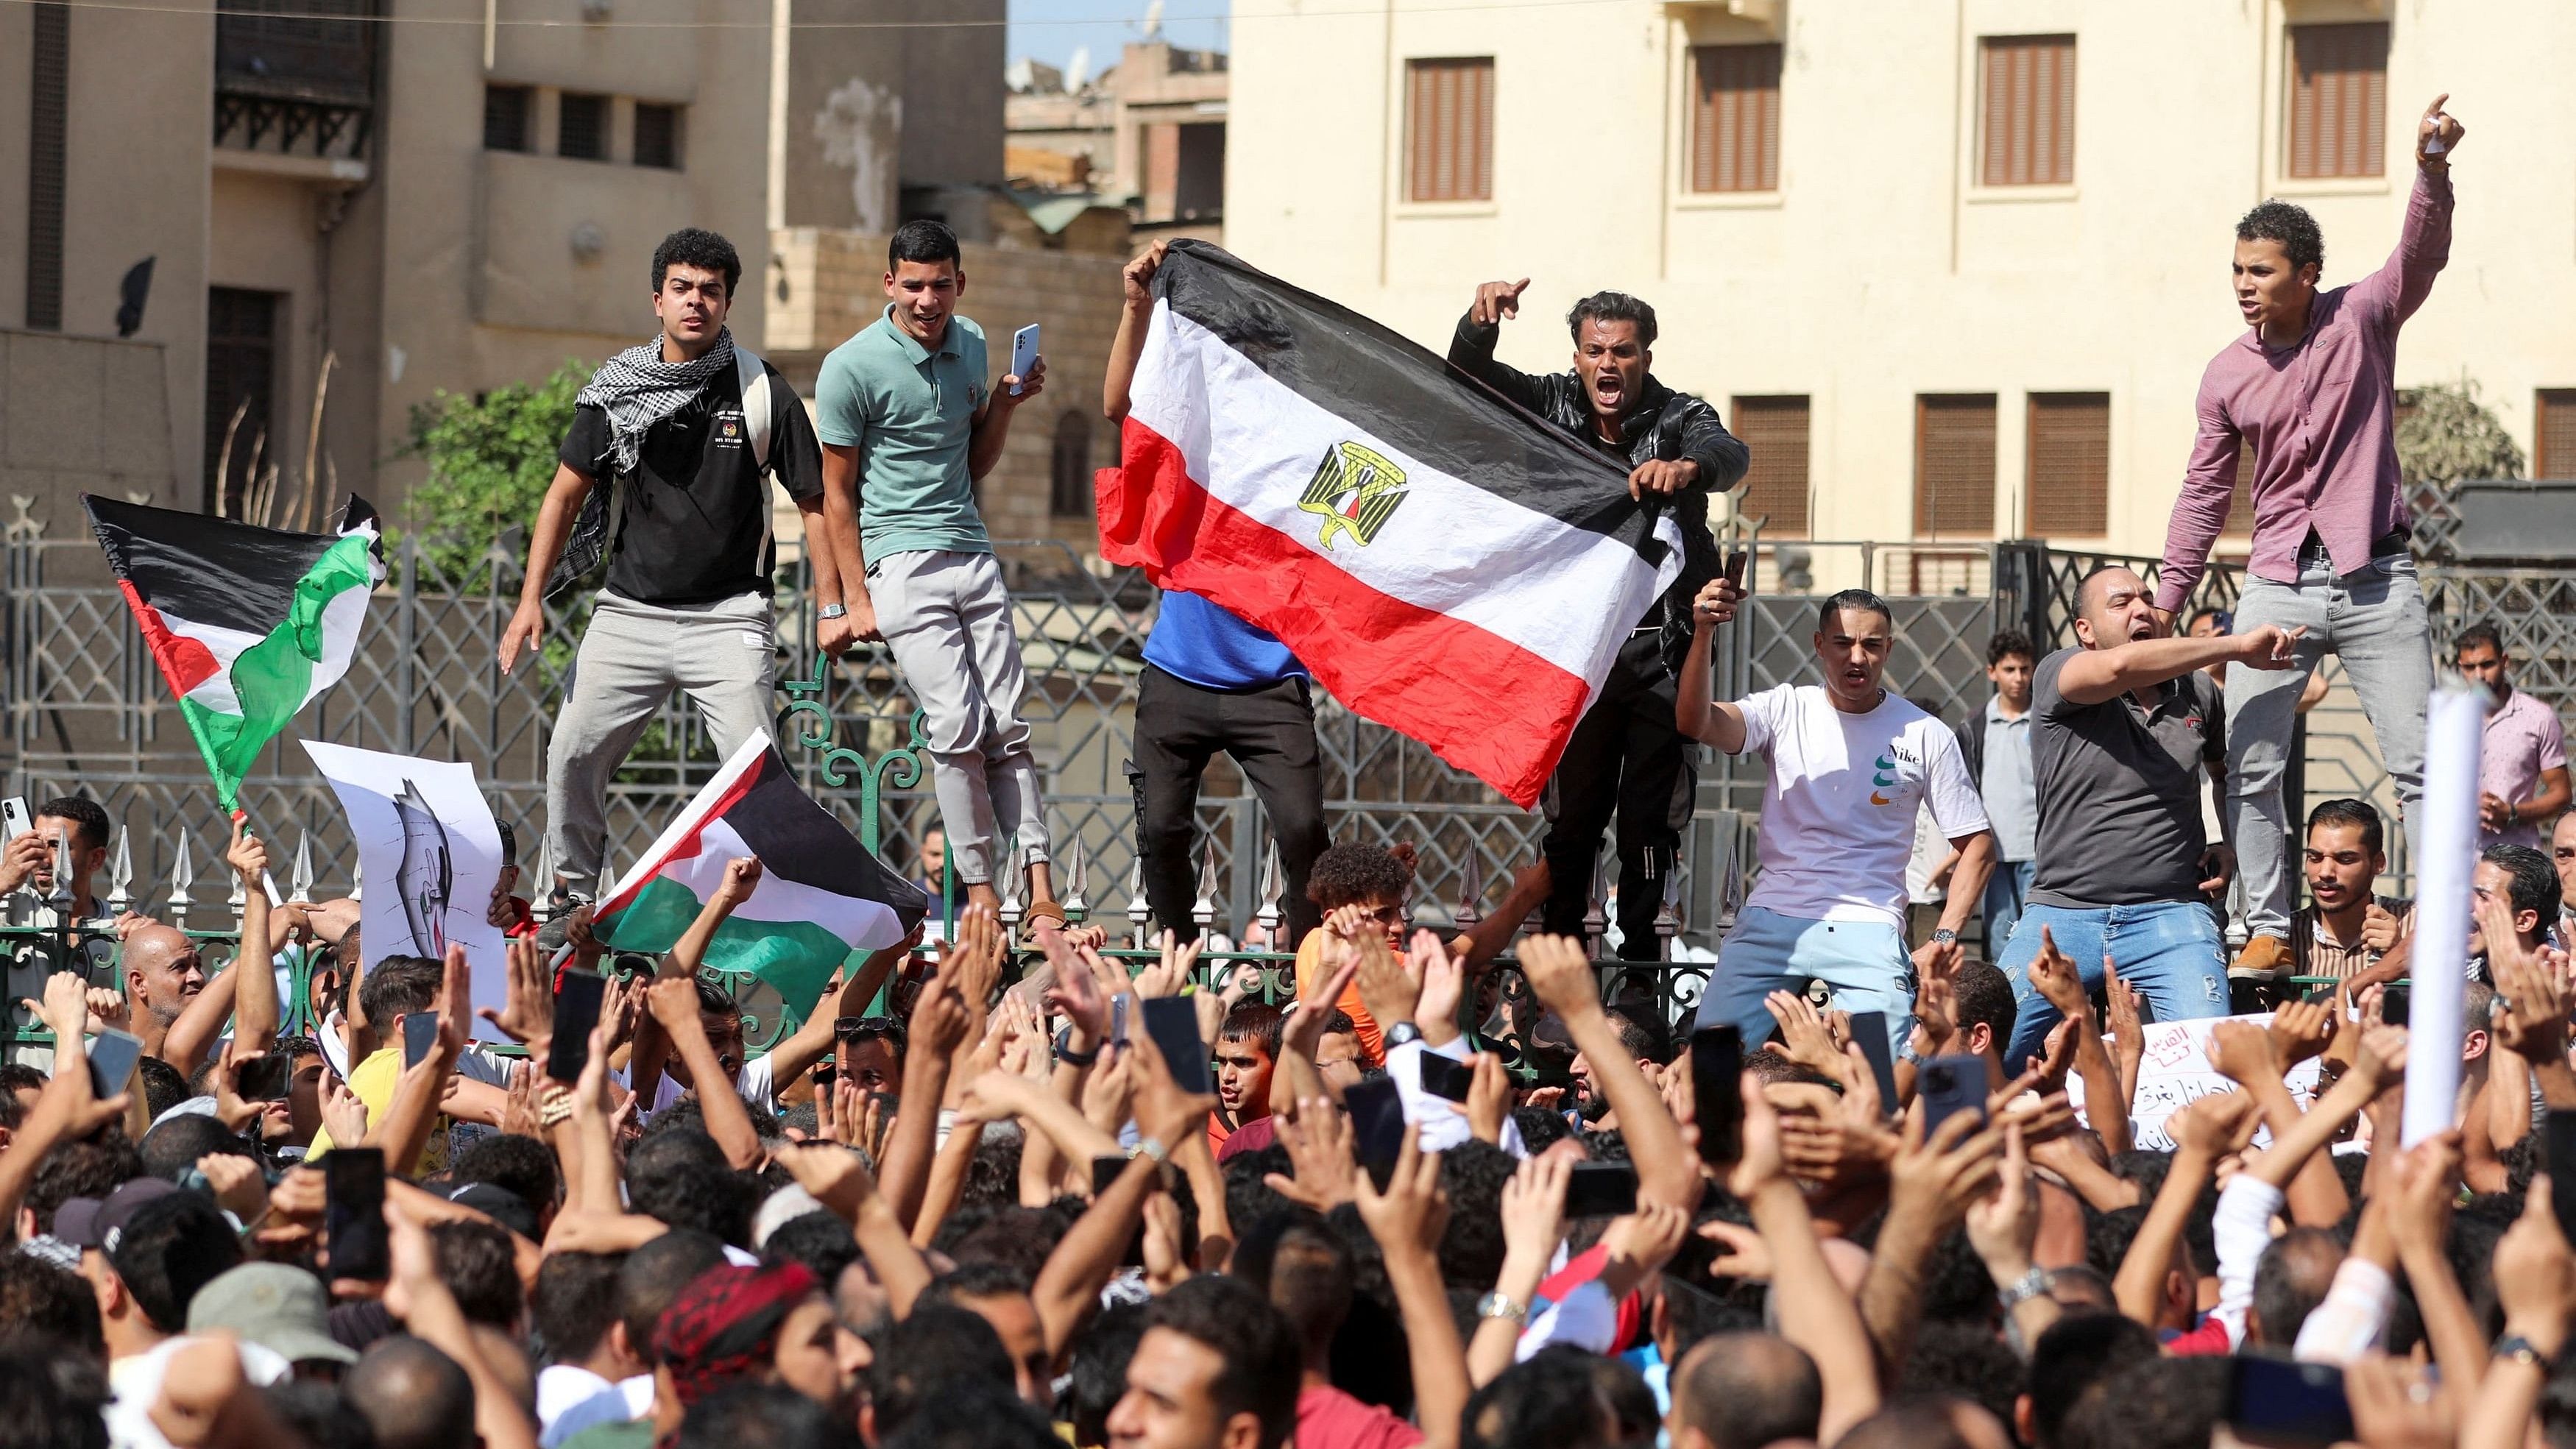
x,y
821,896
1446,563
247,623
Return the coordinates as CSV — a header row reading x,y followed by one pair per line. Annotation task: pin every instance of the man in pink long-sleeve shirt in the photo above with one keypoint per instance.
x,y
2311,389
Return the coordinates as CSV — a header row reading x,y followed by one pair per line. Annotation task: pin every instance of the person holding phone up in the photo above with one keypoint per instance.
x,y
1626,756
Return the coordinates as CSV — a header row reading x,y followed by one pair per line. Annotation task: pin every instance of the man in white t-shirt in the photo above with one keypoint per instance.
x,y
1851,762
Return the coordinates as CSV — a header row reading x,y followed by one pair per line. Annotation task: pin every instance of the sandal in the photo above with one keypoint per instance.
x,y
1034,912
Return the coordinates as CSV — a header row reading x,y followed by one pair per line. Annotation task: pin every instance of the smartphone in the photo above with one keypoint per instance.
x,y
2396,1002
2275,1401
263,1078
420,1034
1024,353
509,843
111,1062
1717,1093
827,1078
15,817
353,1213
1601,1190
1950,1085
1735,563
1173,1023
1442,1077
1105,1171
2561,1145
1118,1018
1377,1126
1869,1031
577,998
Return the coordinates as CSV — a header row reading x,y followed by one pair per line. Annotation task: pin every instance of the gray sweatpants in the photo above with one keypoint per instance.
x,y
947,618
633,655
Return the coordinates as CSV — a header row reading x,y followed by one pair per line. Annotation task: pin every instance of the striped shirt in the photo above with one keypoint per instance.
x,y
2317,953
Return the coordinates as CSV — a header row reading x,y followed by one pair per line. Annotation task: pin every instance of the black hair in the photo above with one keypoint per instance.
x,y
982,1279
174,1245
1540,1128
764,1416
575,1302
923,242
413,1395
2006,644
1641,1033
1984,994
714,1000
1744,1390
2108,1235
317,1413
54,1304
1966,1360
1098,1377
1305,1269
2535,880
1913,1421
2358,813
171,1150
479,1264
1256,1021
1552,1401
654,1275
2478,633
935,1350
820,1240
2290,225
1860,599
397,986
16,1077
1471,1246
1248,1196
2075,1353
692,246
522,1164
1352,874
1612,307
87,814
967,1416
89,1169
1253,1341
692,1194
2156,1403
163,1086
50,1398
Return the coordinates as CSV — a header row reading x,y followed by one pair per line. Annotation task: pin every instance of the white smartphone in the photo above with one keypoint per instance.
x,y
1024,353
15,818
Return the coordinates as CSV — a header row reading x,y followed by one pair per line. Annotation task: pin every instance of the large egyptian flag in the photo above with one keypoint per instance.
x,y
821,895
1446,563
247,623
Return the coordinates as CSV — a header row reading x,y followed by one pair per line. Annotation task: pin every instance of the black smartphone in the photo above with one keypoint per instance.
x,y
1601,1190
2561,1145
1717,1093
2396,1002
1735,563
353,1214
1173,1023
111,1062
263,1078
1377,1125
420,1034
577,999
1442,1077
1869,1031
1950,1085
509,843
1104,1171
827,1077
2276,1401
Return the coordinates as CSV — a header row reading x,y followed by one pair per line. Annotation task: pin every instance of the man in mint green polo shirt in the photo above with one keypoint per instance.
x,y
908,424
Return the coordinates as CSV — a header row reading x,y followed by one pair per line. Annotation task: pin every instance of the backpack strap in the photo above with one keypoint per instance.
x,y
757,411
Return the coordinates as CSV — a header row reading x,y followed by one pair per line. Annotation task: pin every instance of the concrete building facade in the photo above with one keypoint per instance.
x,y
1955,267
1149,132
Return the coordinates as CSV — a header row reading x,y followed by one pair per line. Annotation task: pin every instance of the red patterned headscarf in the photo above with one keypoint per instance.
x,y
724,1325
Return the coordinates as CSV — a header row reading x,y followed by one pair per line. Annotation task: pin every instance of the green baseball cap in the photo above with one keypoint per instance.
x,y
275,1306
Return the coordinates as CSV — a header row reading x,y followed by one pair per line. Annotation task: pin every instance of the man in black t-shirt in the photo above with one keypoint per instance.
x,y
684,428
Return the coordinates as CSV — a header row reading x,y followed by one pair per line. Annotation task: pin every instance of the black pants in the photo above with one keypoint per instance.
x,y
1626,758
1270,732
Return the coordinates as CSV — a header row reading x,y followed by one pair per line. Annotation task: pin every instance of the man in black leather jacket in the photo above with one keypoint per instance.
x,y
1626,756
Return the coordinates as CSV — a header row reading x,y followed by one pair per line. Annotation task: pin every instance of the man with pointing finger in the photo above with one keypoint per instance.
x,y
1625,756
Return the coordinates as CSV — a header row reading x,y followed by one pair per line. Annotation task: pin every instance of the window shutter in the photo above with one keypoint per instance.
x,y
1735,118
2069,494
49,83
1449,125
2029,110
657,135
2554,435
2338,99
1954,465
581,129
505,118
1774,429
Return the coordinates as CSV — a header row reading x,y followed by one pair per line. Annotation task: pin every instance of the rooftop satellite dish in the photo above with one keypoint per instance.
x,y
1077,69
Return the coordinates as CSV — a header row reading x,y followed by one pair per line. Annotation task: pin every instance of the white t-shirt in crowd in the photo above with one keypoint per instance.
x,y
756,1084
1838,811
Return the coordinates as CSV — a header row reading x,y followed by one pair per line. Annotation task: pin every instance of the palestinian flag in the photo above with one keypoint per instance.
x,y
1446,563
247,623
821,898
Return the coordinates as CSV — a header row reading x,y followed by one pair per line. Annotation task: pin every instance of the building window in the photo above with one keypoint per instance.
x,y
657,136
505,117
2553,435
2028,135
1198,171
241,358
2338,99
1954,465
1735,118
1449,130
581,132
1069,490
1774,429
48,175
2069,466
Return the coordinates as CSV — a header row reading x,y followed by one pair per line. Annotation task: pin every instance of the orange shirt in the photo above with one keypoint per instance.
x,y
1310,975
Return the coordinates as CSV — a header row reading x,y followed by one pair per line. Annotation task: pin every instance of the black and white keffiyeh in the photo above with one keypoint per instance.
x,y
637,389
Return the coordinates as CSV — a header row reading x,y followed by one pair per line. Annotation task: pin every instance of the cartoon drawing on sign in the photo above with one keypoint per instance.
x,y
428,871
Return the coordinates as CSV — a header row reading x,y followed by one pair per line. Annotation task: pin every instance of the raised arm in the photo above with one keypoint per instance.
x,y
1695,713
1563,979
1068,1288
838,1178
673,1001
1134,318
841,997
2203,1131
1406,1220
1471,347
255,1005
1815,1313
2095,675
2424,243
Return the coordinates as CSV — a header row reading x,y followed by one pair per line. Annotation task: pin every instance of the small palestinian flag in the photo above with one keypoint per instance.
x,y
247,623
1447,564
821,898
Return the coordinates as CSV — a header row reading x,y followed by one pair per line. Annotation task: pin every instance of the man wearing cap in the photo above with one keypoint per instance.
x,y
97,1226
278,1307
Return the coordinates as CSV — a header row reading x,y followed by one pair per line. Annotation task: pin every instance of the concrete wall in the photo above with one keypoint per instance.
x,y
80,415
1878,269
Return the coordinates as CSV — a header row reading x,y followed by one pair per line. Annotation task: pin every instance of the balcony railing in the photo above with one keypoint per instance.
x,y
295,77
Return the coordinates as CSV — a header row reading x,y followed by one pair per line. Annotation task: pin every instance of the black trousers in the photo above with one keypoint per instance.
x,y
1270,732
1627,759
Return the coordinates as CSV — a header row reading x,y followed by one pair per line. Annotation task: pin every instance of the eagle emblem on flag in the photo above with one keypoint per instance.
x,y
1355,490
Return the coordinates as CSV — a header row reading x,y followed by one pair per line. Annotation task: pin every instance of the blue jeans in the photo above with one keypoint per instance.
x,y
1865,963
2006,890
2171,951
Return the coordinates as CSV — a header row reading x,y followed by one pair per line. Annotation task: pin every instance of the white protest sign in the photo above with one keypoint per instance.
x,y
2176,1070
432,858
2445,826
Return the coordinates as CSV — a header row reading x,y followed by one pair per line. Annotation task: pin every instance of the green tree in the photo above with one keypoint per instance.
x,y
490,459
2449,436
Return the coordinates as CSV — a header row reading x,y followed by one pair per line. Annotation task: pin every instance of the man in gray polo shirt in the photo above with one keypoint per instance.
x,y
2127,726
908,424
1995,742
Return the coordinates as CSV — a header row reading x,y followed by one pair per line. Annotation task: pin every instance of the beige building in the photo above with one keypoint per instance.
x,y
1148,132
429,194
1953,266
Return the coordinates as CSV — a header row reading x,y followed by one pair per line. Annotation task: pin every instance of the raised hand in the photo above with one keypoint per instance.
x,y
2213,1126
2379,927
1496,301
1412,1210
1137,279
2128,1031
1168,976
1390,992
2053,975
833,1174
2300,1030
1802,1032
972,964
247,856
741,878
2437,135
1318,1139
1559,974
2243,1053
1533,1209
1717,602
1489,1099
530,1011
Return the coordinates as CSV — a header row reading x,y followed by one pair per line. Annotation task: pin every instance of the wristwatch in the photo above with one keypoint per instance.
x,y
1495,1305
832,611
1945,937
2514,1348
1065,1053
2028,1286
1402,1032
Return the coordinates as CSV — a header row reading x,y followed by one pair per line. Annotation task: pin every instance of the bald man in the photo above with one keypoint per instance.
x,y
1742,1391
163,973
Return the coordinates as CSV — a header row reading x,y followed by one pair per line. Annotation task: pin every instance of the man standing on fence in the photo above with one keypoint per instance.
x,y
1625,756
2522,765
909,423
2311,389
686,429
